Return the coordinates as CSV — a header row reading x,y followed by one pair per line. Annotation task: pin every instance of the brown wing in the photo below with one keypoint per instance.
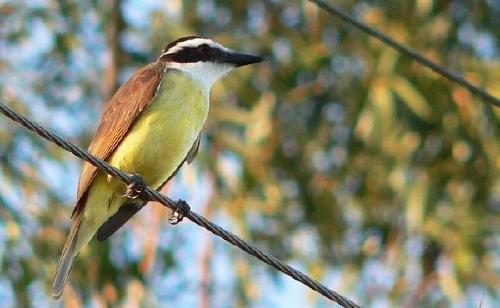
x,y
118,116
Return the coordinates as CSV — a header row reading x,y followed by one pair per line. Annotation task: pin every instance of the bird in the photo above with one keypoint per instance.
x,y
149,128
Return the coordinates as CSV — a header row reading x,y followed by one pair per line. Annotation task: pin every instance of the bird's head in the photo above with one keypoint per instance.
x,y
203,58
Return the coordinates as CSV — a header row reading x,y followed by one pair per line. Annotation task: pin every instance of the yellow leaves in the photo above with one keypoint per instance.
x,y
364,126
135,293
448,280
423,7
273,197
387,81
411,96
491,78
12,230
301,92
408,144
250,288
439,28
373,15
56,236
253,148
257,121
377,119
259,127
316,270
397,179
465,105
231,114
311,16
464,260
415,203
461,151
378,122
454,225
386,62
381,97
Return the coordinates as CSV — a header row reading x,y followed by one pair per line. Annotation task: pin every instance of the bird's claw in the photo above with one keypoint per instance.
x,y
181,211
136,188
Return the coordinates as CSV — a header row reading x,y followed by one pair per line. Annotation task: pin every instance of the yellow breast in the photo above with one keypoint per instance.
x,y
154,147
165,132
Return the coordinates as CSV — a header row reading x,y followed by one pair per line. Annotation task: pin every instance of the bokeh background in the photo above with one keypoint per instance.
x,y
351,162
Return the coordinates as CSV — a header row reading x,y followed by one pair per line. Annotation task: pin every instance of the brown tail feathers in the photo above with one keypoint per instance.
x,y
68,257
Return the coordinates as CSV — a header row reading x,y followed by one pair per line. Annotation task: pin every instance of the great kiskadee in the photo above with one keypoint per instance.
x,y
151,126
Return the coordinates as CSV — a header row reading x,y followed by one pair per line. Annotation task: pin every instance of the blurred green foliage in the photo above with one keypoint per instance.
x,y
371,173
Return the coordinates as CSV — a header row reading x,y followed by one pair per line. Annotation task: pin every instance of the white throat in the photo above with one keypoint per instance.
x,y
207,73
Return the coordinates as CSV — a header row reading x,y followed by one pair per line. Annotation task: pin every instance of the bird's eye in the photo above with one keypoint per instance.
x,y
205,49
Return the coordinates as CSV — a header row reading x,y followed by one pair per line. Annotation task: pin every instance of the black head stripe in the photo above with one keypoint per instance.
x,y
182,39
203,53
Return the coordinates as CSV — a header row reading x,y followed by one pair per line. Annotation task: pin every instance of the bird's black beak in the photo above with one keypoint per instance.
x,y
241,59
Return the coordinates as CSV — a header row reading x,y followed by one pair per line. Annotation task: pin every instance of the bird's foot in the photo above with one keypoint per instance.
x,y
181,211
136,188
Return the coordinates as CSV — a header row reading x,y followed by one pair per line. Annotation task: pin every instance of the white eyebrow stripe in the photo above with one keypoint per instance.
x,y
194,43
